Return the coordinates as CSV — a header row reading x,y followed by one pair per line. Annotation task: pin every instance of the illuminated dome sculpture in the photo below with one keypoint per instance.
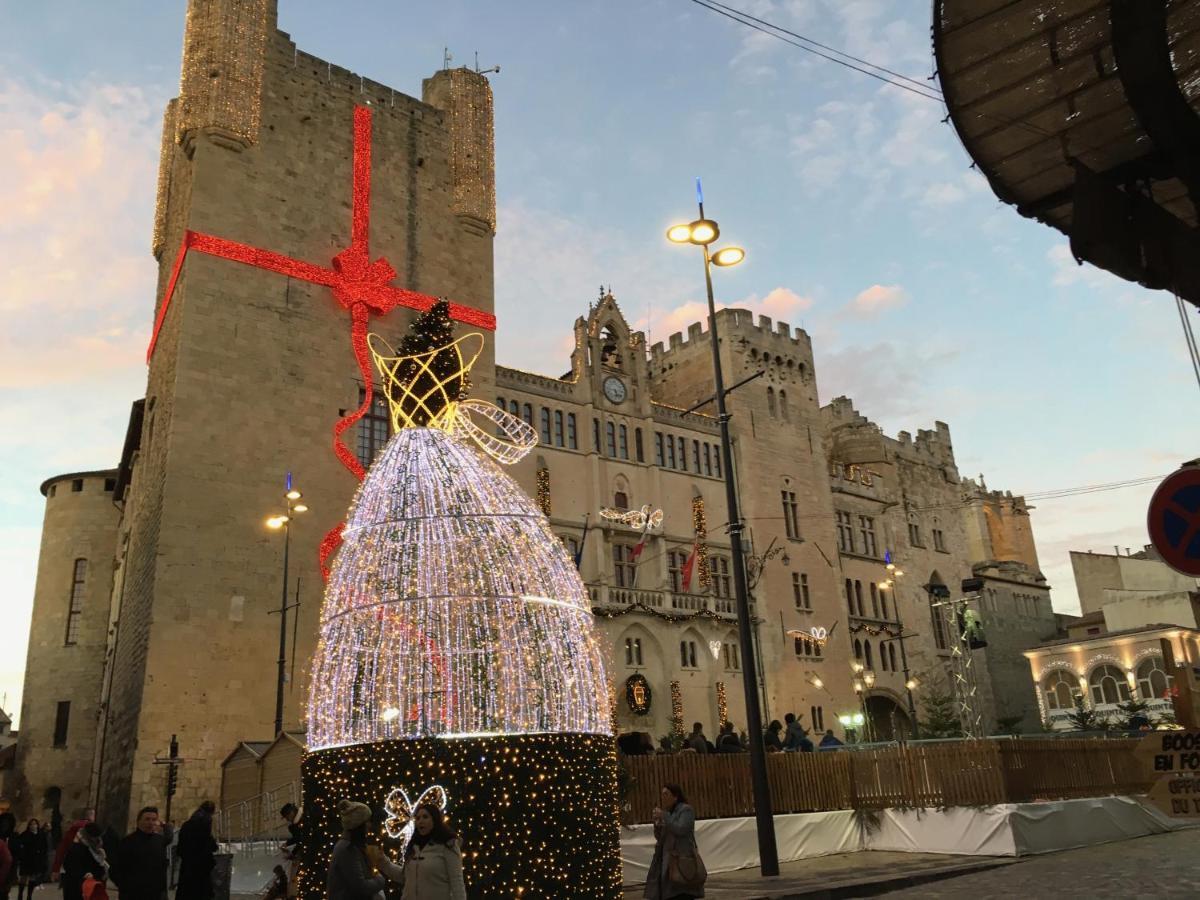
x,y
457,652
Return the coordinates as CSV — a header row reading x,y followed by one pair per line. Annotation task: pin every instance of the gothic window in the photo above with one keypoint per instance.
x,y
817,717
373,428
858,597
707,459
808,648
75,608
939,625
596,435
687,654
610,354
791,514
771,402
874,600
559,431
624,571
858,650
1058,687
730,650
850,596
638,451
675,563
621,500
866,530
545,420
718,568
670,451
514,408
883,656
868,657
633,651
659,458
883,604
914,535
572,439
610,439
1153,681
891,648
696,457
683,454
1108,685
800,592
939,540
845,530
623,434
716,460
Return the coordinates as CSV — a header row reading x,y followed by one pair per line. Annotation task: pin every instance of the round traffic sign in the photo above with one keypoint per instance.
x,y
1173,520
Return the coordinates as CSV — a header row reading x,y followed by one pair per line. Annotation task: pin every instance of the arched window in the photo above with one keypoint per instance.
x,y
783,406
633,651
1058,687
545,432
883,657
1108,685
857,649
892,655
874,600
868,656
610,437
623,443
639,451
621,500
527,414
771,402
862,610
1153,681
850,596
883,604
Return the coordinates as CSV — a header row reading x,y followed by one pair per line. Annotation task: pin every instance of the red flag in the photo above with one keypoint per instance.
x,y
689,566
637,549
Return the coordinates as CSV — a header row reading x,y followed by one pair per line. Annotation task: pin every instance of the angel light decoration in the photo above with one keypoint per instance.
x,y
457,649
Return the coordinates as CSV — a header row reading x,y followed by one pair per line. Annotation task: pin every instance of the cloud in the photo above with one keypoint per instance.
x,y
78,166
877,299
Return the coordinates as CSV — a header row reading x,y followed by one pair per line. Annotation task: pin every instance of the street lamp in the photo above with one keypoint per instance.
x,y
701,233
294,507
892,583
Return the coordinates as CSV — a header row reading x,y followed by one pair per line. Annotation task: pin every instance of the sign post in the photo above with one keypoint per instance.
x,y
1173,519
1174,759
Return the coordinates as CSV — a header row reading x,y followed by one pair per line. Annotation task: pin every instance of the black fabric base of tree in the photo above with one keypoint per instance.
x,y
537,814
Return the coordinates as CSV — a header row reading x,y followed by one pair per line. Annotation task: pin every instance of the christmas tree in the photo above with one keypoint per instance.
x,y
941,719
429,364
457,657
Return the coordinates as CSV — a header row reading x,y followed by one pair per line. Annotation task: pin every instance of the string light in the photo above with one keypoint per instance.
x,y
700,527
473,148
638,694
537,814
873,631
645,519
676,709
639,607
543,490
722,703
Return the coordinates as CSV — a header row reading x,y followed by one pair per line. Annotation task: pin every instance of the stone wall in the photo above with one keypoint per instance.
x,y
64,666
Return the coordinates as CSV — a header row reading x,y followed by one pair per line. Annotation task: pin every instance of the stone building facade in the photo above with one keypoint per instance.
x,y
250,369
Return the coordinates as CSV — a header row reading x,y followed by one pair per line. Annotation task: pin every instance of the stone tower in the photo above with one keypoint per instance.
x,y
67,641
252,365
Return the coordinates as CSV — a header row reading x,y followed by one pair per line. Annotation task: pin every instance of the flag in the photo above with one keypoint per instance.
x,y
582,541
638,548
689,566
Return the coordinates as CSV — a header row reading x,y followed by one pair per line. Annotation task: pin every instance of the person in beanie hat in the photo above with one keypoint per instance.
x,y
350,867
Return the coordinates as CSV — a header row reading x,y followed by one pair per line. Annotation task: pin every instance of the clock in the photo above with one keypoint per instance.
x,y
614,389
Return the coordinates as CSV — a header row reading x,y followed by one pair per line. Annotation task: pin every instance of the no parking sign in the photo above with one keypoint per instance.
x,y
1174,520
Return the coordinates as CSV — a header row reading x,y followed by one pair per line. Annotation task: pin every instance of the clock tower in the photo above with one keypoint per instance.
x,y
611,360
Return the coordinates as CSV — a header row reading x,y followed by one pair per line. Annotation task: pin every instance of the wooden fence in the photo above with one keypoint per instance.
x,y
970,773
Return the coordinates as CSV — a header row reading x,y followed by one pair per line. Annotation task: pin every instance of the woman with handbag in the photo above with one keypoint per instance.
x,y
676,872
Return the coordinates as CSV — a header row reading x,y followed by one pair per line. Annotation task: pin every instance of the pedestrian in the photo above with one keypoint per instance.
x,y
196,850
350,867
433,865
806,744
278,888
68,838
290,814
829,742
8,864
771,737
32,856
676,871
728,742
7,852
85,857
140,869
794,732
696,740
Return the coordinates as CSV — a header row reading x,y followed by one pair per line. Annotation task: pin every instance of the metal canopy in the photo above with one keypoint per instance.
x,y
1084,115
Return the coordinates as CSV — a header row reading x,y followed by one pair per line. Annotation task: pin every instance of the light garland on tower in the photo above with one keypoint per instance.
x,y
676,709
543,490
700,527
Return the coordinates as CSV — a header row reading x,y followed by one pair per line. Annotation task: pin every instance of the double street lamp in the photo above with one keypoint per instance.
x,y
295,506
702,233
891,583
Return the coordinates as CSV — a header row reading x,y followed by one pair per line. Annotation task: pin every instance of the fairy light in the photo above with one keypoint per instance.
x,y
700,527
676,709
722,703
543,490
457,647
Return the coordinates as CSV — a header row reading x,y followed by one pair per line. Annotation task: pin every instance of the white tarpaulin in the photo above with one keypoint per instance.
x,y
975,832
1044,827
731,844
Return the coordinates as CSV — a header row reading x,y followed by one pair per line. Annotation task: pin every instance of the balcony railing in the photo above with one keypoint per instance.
x,y
608,595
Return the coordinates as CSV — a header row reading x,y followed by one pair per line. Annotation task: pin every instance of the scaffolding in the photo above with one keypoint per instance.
x,y
963,677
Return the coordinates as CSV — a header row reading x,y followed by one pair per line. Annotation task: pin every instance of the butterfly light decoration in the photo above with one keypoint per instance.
x,y
401,812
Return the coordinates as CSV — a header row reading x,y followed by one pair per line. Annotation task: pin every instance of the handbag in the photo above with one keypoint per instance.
x,y
687,870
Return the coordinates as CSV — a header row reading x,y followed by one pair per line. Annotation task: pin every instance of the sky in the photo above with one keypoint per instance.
x,y
926,298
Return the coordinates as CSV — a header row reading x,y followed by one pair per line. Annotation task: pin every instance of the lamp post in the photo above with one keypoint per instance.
x,y
294,506
892,584
702,233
